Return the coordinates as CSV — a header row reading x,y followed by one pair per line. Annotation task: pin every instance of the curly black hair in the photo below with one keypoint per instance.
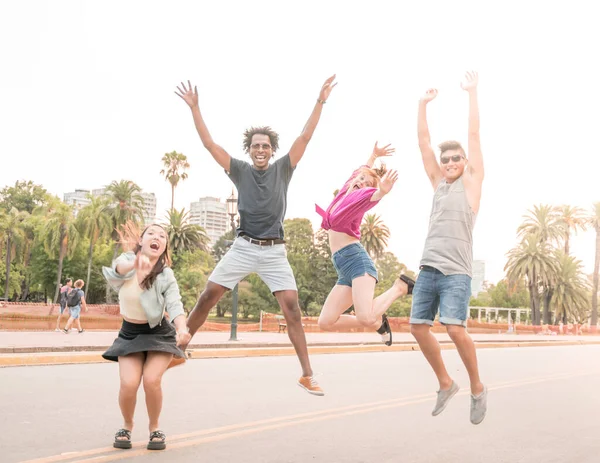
x,y
266,130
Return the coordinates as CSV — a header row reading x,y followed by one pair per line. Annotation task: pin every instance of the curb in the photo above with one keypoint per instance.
x,y
69,358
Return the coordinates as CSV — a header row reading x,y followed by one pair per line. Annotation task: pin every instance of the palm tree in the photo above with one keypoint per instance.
x,y
11,225
94,221
543,222
126,205
531,259
571,219
594,221
59,234
572,290
183,236
374,235
175,164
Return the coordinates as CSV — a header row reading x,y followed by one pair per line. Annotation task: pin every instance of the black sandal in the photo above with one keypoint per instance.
x,y
122,443
409,282
384,329
157,444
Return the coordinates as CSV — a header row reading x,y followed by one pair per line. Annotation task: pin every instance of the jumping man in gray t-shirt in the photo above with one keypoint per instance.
x,y
444,282
262,202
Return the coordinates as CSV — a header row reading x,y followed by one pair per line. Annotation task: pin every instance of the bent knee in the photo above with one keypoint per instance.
x,y
152,381
367,319
131,384
419,330
456,331
325,324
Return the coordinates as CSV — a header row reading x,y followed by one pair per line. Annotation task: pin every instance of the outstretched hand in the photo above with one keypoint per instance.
x,y
470,82
429,95
187,94
388,180
326,88
142,264
384,151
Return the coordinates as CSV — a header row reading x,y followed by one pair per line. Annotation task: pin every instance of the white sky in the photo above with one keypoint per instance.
x,y
86,97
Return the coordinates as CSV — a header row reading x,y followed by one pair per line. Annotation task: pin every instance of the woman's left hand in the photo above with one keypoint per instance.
x,y
388,180
183,338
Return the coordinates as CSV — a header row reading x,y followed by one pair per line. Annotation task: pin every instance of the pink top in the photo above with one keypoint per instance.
x,y
348,215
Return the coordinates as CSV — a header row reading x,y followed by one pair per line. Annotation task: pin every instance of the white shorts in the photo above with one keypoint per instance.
x,y
244,258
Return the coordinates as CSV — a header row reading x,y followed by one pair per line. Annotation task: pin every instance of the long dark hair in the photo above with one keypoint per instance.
x,y
130,234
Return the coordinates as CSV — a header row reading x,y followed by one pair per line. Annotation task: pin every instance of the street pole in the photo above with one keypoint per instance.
x,y
232,208
234,314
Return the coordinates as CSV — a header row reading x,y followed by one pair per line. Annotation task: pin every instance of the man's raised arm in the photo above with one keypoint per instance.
x,y
475,165
191,98
299,147
432,168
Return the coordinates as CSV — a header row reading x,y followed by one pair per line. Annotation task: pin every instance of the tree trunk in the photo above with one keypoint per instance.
x,y
27,280
594,321
89,271
534,303
548,292
567,244
61,256
108,294
7,283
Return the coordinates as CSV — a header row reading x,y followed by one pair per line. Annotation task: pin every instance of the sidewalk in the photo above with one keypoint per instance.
x,y
25,342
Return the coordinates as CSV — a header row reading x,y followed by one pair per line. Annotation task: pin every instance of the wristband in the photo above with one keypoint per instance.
x,y
321,101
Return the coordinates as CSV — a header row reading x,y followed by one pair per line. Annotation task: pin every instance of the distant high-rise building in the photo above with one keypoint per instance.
x,y
478,277
211,214
79,199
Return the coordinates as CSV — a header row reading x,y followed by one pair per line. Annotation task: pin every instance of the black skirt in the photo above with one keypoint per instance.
x,y
134,337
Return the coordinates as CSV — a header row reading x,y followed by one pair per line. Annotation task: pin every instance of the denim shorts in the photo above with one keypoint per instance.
x,y
75,311
351,262
449,293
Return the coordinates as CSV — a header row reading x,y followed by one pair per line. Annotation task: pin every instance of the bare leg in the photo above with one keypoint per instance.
x,y
288,301
466,349
79,324
154,367
130,372
208,299
433,353
337,302
69,323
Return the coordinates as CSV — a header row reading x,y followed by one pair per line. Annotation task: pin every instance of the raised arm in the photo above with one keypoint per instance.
x,y
432,168
379,153
191,98
475,165
385,185
299,147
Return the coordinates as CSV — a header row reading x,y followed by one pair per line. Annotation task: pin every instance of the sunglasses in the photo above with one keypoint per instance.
x,y
257,146
454,157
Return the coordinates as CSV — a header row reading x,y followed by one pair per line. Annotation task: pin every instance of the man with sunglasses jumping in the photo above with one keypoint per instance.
x,y
262,202
444,280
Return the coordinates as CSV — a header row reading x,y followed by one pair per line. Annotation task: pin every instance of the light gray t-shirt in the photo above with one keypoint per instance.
x,y
262,196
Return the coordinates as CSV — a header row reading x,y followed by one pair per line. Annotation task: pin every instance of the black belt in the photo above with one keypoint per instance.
x,y
263,242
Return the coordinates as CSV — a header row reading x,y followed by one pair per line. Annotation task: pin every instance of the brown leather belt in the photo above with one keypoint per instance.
x,y
262,242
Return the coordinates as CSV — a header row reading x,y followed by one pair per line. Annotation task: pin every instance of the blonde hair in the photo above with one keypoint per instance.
x,y
375,173
79,283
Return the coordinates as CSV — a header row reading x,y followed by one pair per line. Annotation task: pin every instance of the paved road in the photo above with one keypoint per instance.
x,y
544,406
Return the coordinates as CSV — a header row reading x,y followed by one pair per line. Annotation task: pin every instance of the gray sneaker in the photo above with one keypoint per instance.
x,y
443,397
478,406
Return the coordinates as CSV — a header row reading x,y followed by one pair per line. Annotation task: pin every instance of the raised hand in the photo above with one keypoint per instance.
x,y
388,180
142,264
187,95
383,151
470,82
429,95
326,89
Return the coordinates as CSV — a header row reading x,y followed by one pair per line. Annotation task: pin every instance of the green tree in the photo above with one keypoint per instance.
x,y
571,219
24,196
572,291
174,166
126,205
374,235
192,269
183,236
11,226
94,222
59,234
532,260
594,221
545,223
222,245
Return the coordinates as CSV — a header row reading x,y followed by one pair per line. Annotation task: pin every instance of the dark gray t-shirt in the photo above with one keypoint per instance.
x,y
262,196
